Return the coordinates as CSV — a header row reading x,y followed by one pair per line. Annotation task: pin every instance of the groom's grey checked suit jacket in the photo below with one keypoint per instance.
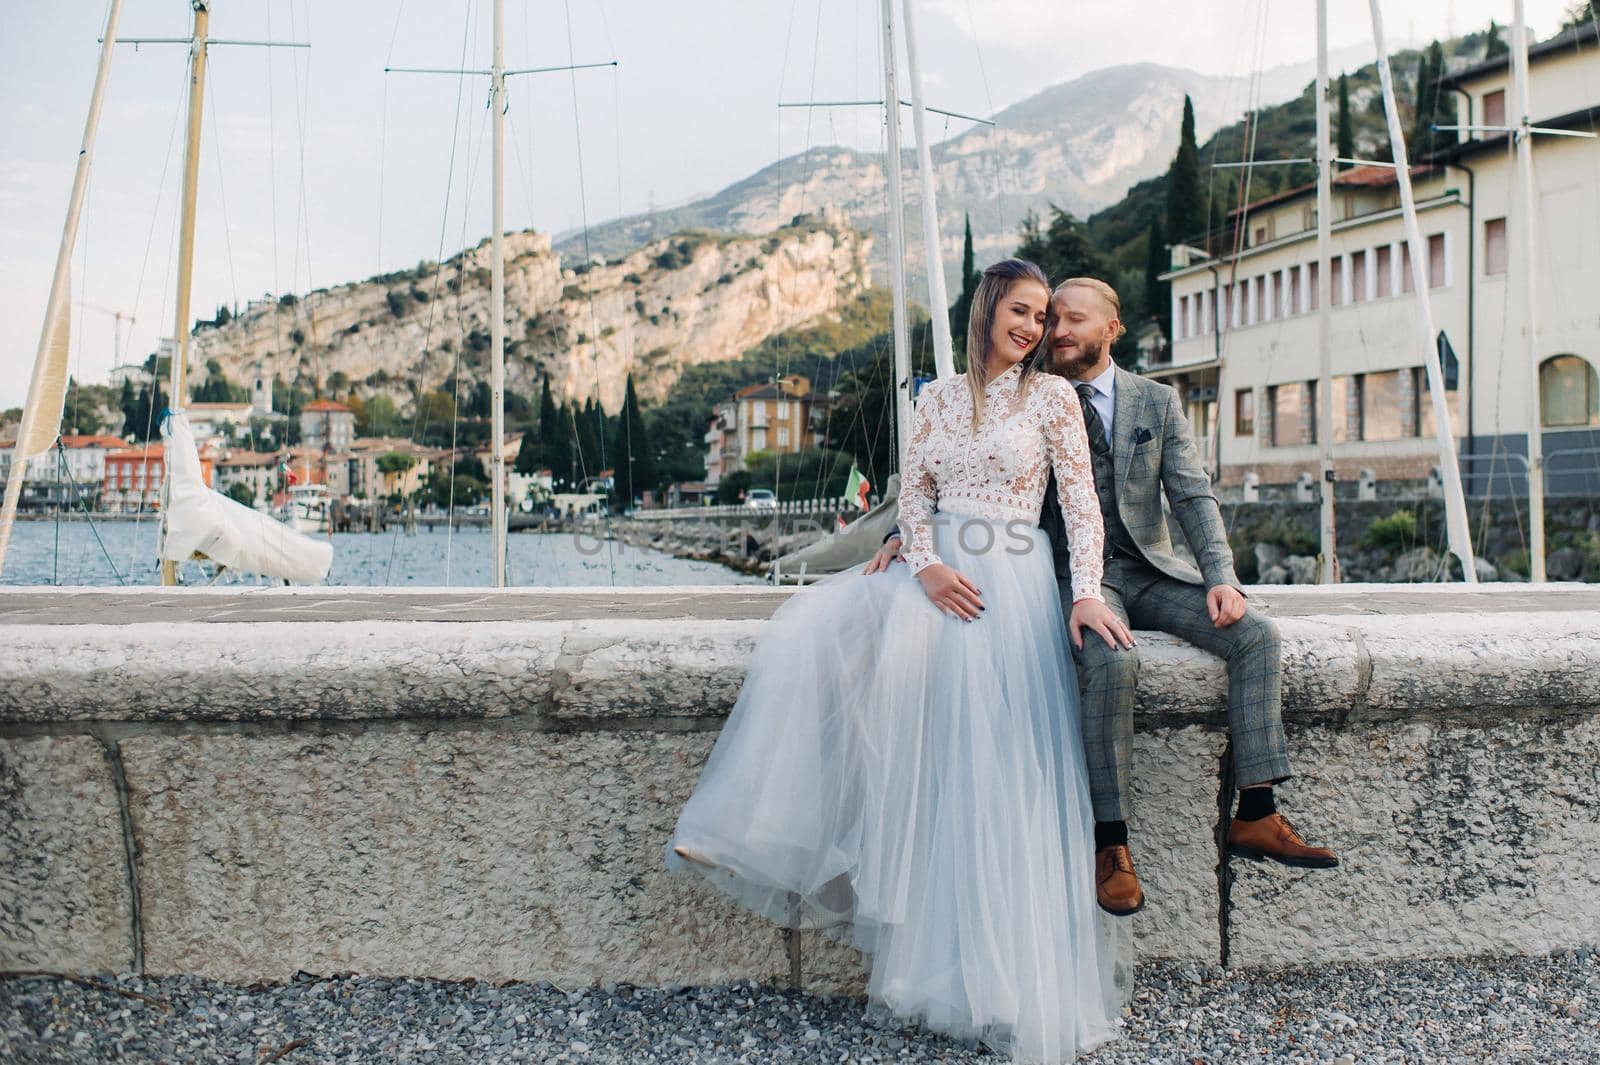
x,y
1153,454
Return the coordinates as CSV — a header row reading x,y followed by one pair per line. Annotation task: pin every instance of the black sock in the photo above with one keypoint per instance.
x,y
1110,834
1255,803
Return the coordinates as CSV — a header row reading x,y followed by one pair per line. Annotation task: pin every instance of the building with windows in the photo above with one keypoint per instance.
x,y
327,426
133,477
1244,326
68,478
782,415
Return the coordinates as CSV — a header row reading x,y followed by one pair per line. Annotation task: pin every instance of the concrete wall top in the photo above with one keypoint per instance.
x,y
571,658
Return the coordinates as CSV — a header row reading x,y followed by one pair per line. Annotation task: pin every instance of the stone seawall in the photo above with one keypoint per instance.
x,y
475,783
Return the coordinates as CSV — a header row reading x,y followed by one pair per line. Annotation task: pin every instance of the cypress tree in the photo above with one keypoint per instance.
x,y
128,403
961,313
1186,215
538,447
1346,137
587,427
1495,44
631,453
1430,68
1156,299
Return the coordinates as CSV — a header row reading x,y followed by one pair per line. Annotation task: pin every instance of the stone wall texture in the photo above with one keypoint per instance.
x,y
230,792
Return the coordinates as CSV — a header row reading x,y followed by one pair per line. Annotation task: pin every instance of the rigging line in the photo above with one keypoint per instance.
x,y
222,188
155,213
783,66
87,513
994,150
383,127
420,413
474,168
302,215
588,259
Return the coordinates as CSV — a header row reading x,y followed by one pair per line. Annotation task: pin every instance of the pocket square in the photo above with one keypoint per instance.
x,y
1141,435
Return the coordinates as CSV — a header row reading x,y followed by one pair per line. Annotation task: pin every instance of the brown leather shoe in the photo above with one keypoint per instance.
x,y
1116,885
1274,837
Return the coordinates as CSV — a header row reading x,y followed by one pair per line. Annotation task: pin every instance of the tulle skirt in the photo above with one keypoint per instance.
x,y
915,785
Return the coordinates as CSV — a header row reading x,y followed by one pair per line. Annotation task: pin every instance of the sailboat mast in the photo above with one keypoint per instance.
x,y
938,298
1329,568
1456,529
897,266
191,182
497,304
47,389
1526,221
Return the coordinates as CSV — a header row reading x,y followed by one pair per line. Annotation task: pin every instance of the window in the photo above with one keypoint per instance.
x,y
1180,328
1494,246
1244,412
1336,278
758,439
1261,235
1436,262
1358,277
1285,405
1296,289
1569,392
1314,293
1385,268
783,408
783,436
1380,406
1494,108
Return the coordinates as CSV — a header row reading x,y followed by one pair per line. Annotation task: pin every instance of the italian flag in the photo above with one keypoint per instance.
x,y
857,488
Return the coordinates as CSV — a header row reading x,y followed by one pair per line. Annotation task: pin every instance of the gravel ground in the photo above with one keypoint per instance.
x,y
1512,1010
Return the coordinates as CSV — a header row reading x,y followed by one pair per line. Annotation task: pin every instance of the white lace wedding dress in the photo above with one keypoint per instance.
x,y
915,783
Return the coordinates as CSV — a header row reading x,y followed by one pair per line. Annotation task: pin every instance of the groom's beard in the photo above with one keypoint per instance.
x,y
1075,361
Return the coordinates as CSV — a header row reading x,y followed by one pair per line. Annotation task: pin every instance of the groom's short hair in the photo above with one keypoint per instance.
x,y
1105,292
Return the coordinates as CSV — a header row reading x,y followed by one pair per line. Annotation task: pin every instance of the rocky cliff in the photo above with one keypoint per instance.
x,y
691,298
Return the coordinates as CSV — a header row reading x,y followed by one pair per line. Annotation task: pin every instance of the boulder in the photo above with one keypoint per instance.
x,y
1267,557
1302,569
1417,565
1564,565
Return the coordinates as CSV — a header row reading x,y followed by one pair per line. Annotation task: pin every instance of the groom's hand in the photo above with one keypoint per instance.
x,y
889,552
1093,614
1226,604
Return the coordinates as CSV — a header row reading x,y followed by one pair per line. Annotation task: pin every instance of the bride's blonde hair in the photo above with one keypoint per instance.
x,y
992,288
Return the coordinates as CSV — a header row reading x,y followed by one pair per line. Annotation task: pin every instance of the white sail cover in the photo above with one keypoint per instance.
x,y
202,521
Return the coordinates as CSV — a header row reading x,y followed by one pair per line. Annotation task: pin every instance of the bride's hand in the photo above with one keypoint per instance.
x,y
950,591
1093,614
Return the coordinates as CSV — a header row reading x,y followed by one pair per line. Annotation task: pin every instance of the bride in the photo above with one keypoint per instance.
x,y
903,766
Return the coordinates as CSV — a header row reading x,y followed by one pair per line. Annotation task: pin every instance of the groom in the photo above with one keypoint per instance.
x,y
1141,447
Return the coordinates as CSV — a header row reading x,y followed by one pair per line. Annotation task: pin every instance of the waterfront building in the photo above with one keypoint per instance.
x,y
49,479
782,415
327,426
256,470
1244,326
133,477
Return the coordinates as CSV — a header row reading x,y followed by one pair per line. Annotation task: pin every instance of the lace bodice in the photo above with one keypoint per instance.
x,y
1000,472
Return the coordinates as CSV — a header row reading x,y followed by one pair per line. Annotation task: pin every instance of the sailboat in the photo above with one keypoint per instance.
x,y
197,522
857,541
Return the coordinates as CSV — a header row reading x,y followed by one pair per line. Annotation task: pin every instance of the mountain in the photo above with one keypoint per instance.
x,y
696,297
1080,145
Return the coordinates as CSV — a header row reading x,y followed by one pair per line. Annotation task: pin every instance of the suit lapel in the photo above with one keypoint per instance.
x,y
1129,405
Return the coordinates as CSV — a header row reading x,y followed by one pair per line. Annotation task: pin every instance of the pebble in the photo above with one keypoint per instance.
x,y
1414,1011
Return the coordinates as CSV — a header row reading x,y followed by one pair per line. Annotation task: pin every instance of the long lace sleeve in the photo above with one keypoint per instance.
x,y
918,488
1067,447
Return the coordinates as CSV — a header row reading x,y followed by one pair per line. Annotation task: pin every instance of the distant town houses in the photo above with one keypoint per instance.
x,y
133,477
1244,354
783,415
62,478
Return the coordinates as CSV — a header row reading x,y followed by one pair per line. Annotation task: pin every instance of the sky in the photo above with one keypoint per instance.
x,y
318,168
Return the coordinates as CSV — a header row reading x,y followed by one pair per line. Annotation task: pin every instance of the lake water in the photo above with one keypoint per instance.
x,y
43,553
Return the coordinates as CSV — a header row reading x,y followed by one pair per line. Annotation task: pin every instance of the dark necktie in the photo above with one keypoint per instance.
x,y
1091,421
